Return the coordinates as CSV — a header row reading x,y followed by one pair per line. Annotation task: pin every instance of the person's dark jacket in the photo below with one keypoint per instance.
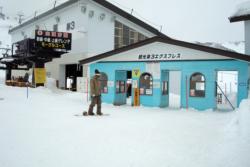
x,y
95,87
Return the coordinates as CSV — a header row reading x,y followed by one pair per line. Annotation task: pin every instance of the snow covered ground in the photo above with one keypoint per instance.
x,y
43,131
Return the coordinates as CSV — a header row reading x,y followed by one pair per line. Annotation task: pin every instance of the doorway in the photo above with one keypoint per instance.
x,y
175,89
129,87
227,90
123,87
72,71
120,88
171,89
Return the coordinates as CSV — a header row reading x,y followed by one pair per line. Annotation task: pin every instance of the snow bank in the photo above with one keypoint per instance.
x,y
44,131
244,118
2,76
238,46
50,84
242,9
235,46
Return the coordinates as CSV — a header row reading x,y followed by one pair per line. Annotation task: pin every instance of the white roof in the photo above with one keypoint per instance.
x,y
242,9
7,60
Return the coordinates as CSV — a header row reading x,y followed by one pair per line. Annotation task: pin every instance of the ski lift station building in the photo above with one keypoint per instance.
x,y
138,61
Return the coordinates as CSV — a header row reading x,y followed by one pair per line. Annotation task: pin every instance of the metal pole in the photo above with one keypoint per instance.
x,y
230,87
27,90
87,90
225,96
226,91
186,93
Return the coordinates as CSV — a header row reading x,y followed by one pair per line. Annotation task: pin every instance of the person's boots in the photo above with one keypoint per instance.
x,y
99,113
91,113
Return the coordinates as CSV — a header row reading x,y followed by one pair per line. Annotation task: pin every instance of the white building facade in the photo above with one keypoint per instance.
x,y
97,26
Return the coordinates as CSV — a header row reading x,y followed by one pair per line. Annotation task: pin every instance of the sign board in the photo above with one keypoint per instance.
x,y
40,75
136,97
53,40
136,73
135,84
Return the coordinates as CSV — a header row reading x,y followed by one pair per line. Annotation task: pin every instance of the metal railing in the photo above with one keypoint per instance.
x,y
225,96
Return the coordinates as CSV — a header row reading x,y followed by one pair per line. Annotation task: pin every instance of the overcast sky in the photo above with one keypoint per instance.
x,y
190,20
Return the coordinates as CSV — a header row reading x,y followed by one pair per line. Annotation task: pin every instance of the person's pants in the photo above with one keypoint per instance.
x,y
95,100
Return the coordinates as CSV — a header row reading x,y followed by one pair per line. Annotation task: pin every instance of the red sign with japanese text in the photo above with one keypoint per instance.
x,y
53,40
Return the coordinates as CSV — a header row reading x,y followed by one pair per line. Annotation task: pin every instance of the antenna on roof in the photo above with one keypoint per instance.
x,y
35,13
55,4
160,28
20,17
132,10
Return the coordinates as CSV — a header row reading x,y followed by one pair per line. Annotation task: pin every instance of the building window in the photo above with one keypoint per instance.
x,y
197,85
55,27
146,84
120,87
125,35
165,88
104,83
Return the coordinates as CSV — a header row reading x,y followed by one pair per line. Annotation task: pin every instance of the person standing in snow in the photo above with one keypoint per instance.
x,y
95,92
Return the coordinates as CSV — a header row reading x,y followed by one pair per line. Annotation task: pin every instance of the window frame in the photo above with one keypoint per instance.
x,y
164,88
151,85
55,27
120,30
101,82
118,89
202,93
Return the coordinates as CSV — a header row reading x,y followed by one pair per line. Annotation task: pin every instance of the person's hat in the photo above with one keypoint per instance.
x,y
97,72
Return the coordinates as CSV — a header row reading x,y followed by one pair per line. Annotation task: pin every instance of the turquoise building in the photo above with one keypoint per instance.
x,y
163,72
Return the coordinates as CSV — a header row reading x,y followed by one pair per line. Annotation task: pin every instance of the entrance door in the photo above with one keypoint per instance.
x,y
72,72
164,88
120,88
227,90
175,89
129,87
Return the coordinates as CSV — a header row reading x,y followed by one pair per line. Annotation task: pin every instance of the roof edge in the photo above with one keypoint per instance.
x,y
103,3
65,4
207,49
130,17
239,18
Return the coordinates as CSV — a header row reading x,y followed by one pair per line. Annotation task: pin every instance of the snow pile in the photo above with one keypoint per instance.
x,y
238,46
244,117
2,77
242,9
51,84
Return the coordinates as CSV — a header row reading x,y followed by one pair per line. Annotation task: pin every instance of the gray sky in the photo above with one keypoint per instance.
x,y
190,20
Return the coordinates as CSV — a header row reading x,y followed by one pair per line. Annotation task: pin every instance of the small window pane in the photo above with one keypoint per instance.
x,y
165,88
197,85
104,83
120,87
200,86
146,84
55,27
126,35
